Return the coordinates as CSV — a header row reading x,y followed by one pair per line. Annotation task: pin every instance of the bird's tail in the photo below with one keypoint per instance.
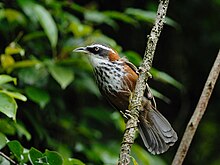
x,y
156,132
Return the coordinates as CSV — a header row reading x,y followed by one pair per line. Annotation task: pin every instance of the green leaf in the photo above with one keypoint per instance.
x,y
80,30
143,157
98,17
149,16
33,35
120,16
86,83
36,76
38,13
76,7
98,37
47,23
63,75
6,78
118,121
160,96
27,6
35,157
7,126
73,161
3,140
21,130
15,95
134,57
47,158
37,95
8,106
164,77
53,157
17,149
106,155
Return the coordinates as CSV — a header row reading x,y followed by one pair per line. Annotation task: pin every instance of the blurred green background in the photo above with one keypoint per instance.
x,y
51,109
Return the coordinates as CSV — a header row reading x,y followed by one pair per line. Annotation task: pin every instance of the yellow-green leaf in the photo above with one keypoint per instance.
x,y
80,30
13,15
7,61
134,161
15,95
6,78
14,48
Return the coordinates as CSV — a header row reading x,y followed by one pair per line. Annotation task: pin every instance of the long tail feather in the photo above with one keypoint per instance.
x,y
156,132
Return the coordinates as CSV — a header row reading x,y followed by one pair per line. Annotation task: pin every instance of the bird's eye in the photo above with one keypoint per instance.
x,y
96,49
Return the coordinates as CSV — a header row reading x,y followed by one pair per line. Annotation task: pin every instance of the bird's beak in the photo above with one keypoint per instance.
x,y
81,49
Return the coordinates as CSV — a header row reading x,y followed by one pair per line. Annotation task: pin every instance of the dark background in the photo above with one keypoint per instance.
x,y
77,121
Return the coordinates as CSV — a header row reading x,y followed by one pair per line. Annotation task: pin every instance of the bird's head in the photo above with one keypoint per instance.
x,y
98,51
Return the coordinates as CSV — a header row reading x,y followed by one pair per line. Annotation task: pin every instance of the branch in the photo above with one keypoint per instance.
x,y
8,158
198,113
136,99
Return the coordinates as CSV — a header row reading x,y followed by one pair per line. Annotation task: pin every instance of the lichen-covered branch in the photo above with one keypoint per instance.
x,y
198,113
136,99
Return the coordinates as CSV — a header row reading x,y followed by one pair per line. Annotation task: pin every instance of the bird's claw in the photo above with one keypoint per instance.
x,y
124,115
128,115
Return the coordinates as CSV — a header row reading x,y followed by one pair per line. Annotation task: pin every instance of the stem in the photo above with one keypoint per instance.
x,y
8,158
198,113
136,99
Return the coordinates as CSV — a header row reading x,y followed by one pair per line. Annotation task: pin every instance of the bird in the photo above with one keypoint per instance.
x,y
116,79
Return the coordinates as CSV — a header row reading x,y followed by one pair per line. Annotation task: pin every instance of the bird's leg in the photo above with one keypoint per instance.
x,y
127,114
130,113
149,94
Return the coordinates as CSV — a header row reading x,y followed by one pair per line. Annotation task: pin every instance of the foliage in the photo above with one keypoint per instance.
x,y
51,109
35,157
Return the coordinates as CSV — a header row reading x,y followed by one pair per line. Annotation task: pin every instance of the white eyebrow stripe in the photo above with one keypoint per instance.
x,y
102,46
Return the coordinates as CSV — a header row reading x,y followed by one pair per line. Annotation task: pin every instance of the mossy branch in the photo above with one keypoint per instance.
x,y
136,99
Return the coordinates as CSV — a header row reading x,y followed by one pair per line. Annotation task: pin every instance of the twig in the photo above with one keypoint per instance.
x,y
136,99
8,158
198,113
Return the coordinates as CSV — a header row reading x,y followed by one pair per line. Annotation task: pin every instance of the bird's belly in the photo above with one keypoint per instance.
x,y
115,90
114,84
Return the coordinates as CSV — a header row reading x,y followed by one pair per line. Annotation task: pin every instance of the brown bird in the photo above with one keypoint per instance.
x,y
116,78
